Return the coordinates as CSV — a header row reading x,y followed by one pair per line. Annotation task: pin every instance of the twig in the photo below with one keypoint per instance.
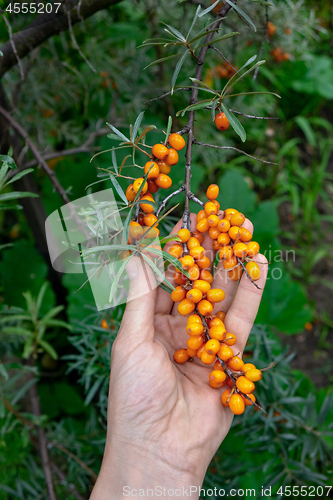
x,y
247,274
226,60
9,28
164,202
74,457
168,93
75,42
194,198
235,149
257,117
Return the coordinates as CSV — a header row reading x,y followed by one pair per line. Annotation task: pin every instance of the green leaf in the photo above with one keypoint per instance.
x,y
48,348
57,322
263,2
16,330
204,12
114,161
20,175
171,237
17,194
117,132
157,271
9,160
165,287
137,125
242,15
15,317
169,258
203,85
174,32
304,124
144,132
93,390
3,171
195,19
223,37
256,65
192,107
235,123
157,61
177,69
41,296
168,130
117,278
107,248
3,371
201,35
118,188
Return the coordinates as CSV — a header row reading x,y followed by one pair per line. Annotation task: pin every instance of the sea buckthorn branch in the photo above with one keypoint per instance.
x,y
234,149
165,201
195,199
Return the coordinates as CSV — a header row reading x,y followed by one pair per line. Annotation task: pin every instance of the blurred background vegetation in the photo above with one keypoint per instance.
x,y
62,103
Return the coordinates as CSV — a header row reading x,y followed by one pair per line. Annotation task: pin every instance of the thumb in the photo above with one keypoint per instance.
x,y
138,319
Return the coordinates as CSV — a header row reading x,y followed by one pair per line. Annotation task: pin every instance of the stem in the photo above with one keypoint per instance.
x,y
164,202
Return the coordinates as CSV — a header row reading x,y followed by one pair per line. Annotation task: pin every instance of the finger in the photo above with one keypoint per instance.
x,y
223,281
243,311
138,320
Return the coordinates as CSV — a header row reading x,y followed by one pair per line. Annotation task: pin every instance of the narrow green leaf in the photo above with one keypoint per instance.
x,y
15,317
242,15
41,296
118,133
114,137
57,322
201,35
177,69
53,312
195,19
168,130
114,161
215,103
118,188
157,271
263,2
223,37
235,123
117,278
3,170
169,258
16,330
250,93
256,65
19,175
174,32
48,348
107,248
9,160
203,85
171,237
161,60
17,194
93,390
144,132
192,107
204,12
165,288
3,372
137,125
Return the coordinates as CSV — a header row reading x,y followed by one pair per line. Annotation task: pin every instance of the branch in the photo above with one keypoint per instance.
x,y
74,457
235,149
12,43
252,116
164,202
46,25
226,60
194,198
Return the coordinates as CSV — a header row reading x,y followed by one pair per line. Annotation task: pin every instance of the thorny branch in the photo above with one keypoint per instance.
x,y
235,149
164,202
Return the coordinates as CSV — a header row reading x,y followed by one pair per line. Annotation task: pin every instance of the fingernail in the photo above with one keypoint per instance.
x,y
132,269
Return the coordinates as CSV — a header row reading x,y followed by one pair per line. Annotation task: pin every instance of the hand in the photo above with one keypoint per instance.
x,y
165,422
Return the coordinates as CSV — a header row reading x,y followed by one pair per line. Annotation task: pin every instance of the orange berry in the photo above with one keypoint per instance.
x,y
203,263
226,397
221,121
271,29
236,273
252,248
178,294
217,377
244,234
160,151
235,363
206,276
176,250
287,31
198,236
202,285
150,219
226,253
212,346
230,382
236,404
253,270
210,208
181,356
153,169
184,234
135,230
206,358
145,206
195,329
201,351
137,184
216,203
194,272
218,366
201,215
195,342
191,352
253,374
197,252
172,157
215,295
240,250
225,353
130,193
247,366
212,191
164,168
237,219
214,321
247,402
152,186
151,232
213,232
245,385
163,181
187,261
104,324
223,239
193,242
194,318
179,278
176,141
218,333
230,263
230,211
185,307
223,226
205,307
195,295
234,233
125,254
202,225
230,339
216,246
221,315
213,220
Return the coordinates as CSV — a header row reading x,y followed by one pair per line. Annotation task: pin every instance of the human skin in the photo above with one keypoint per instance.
x,y
165,422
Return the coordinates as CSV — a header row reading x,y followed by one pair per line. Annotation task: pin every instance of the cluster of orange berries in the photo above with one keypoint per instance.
x,y
223,70
158,168
280,55
209,340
